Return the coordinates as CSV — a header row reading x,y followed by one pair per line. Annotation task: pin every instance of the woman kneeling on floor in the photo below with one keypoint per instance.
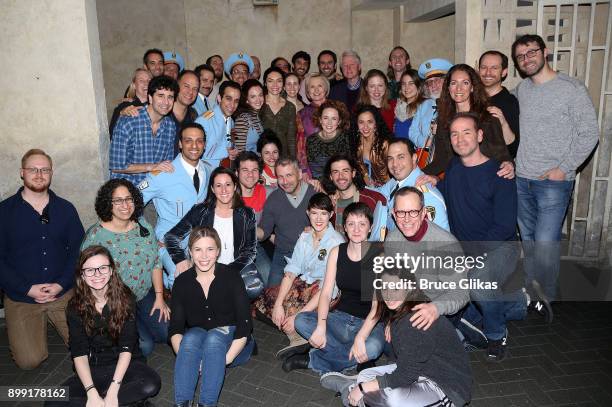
x,y
110,370
431,367
300,288
210,323
333,333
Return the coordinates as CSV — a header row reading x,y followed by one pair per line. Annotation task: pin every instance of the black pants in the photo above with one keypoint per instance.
x,y
139,383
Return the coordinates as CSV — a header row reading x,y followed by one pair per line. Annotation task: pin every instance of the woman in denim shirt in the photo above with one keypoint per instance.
x,y
304,272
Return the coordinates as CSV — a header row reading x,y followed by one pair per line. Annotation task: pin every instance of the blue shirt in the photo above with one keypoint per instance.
x,y
134,143
309,263
482,205
434,202
216,128
34,252
173,194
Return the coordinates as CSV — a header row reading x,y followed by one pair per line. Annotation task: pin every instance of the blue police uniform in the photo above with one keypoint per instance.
x,y
434,202
217,129
173,195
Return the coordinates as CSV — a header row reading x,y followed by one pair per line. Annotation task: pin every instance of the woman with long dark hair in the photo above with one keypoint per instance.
x,y
368,143
131,241
463,91
234,222
211,321
431,367
414,112
248,126
278,114
110,370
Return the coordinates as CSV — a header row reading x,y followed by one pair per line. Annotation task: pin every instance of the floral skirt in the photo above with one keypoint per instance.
x,y
298,296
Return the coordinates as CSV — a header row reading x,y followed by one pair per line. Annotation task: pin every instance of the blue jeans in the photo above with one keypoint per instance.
x,y
542,205
150,330
490,309
277,268
206,349
340,335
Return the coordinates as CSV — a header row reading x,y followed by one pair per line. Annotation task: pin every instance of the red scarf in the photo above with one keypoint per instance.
x,y
256,202
420,233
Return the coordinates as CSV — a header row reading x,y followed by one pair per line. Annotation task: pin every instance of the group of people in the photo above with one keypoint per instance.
x,y
233,199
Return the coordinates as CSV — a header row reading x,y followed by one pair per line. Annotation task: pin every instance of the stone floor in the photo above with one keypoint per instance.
x,y
567,363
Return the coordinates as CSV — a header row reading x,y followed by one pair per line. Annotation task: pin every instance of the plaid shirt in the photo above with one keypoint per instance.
x,y
133,143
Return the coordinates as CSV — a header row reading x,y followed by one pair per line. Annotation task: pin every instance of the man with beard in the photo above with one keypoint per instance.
x,y
175,193
327,61
284,214
433,72
145,143
344,182
216,61
493,70
218,123
40,237
205,102
559,130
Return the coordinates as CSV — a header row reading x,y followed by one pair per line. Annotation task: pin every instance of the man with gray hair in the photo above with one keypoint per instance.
x,y
347,90
284,214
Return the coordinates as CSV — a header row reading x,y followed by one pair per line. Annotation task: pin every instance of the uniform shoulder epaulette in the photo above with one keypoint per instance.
x,y
208,114
423,188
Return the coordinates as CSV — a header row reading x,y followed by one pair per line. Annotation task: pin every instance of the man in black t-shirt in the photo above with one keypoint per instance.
x,y
493,70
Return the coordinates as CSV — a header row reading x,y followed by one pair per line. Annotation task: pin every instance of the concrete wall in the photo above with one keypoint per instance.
x,y
431,39
128,29
53,96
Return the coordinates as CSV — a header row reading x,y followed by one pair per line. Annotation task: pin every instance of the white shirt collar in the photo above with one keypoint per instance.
x,y
191,169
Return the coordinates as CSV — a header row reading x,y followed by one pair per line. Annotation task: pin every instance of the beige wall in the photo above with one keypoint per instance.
x,y
127,30
53,96
431,39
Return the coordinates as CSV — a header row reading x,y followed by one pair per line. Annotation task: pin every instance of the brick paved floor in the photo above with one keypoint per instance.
x,y
567,363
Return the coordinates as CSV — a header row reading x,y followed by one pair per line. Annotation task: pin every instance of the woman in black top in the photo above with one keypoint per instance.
x,y
234,222
332,334
210,324
431,368
110,369
136,96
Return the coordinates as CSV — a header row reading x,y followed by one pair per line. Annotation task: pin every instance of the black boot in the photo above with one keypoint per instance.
x,y
183,404
299,361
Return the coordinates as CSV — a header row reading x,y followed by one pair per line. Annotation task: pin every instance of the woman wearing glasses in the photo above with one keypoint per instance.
x,y
110,370
131,241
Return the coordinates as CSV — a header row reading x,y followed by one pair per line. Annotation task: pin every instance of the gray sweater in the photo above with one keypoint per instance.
x,y
285,220
558,126
436,241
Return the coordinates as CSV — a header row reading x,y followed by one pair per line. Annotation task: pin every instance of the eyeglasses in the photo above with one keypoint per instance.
x,y
120,201
529,54
412,213
91,271
34,171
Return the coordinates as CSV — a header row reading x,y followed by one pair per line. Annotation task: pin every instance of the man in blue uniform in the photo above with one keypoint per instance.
x,y
401,162
218,123
175,193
